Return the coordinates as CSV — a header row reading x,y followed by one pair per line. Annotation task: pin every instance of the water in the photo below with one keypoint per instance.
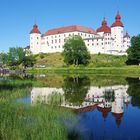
x,y
105,107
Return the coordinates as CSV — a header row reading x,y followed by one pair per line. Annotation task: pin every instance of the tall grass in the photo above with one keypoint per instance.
x,y
25,122
19,122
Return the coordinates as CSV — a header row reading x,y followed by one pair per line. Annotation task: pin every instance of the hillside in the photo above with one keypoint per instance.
x,y
102,60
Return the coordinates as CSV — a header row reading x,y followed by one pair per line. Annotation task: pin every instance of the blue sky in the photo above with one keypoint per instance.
x,y
18,16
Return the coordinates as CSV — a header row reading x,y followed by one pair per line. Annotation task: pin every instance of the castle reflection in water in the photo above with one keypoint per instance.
x,y
105,99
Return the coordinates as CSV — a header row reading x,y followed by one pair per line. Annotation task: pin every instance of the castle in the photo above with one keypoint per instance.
x,y
105,40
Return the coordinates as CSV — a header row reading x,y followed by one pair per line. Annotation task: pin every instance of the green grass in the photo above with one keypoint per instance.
x,y
24,122
49,60
99,64
116,71
19,122
102,60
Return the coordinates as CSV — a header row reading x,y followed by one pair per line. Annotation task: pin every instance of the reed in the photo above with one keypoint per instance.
x,y
30,122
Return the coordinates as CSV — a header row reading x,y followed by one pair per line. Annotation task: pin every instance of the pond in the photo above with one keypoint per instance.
x,y
106,107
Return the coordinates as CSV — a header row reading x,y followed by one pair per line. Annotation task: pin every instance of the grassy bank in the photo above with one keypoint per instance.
x,y
99,64
118,71
102,60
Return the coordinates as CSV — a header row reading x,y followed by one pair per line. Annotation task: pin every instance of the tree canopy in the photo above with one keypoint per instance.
x,y
134,51
15,57
75,51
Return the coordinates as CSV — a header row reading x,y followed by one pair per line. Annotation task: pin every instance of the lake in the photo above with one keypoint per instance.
x,y
105,107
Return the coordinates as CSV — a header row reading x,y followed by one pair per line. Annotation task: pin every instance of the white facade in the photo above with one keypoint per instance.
x,y
105,40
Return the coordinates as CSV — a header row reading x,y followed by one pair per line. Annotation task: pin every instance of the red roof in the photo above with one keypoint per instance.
x,y
104,28
70,29
104,111
118,117
86,109
117,21
126,35
35,30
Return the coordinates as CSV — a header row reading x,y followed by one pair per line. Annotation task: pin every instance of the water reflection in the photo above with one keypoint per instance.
x,y
106,107
78,95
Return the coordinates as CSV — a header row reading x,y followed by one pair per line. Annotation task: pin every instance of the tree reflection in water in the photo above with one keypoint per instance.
x,y
134,90
75,89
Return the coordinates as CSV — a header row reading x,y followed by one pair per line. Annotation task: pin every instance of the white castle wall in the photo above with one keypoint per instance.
x,y
117,35
100,42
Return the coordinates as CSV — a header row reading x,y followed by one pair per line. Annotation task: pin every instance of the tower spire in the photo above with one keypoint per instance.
x,y
117,21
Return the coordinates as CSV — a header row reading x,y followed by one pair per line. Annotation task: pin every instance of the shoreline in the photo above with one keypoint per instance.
x,y
116,71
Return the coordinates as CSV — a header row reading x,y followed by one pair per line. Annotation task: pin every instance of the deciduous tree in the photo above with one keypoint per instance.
x,y
75,51
134,51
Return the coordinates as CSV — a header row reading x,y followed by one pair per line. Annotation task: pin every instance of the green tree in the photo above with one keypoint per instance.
x,y
28,61
134,51
75,51
4,58
15,56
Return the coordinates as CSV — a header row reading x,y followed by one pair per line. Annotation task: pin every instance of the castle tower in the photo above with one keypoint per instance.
x,y
35,40
117,31
105,32
126,41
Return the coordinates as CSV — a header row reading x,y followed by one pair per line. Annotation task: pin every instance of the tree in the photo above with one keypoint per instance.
x,y
75,51
28,61
134,51
15,56
3,58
